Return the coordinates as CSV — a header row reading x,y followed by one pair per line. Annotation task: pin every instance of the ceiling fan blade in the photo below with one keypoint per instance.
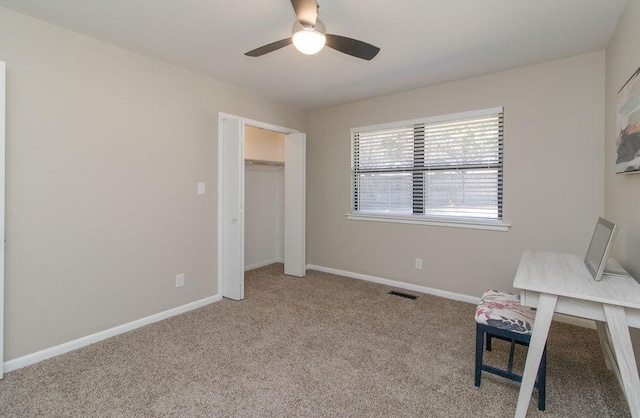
x,y
269,48
352,47
306,10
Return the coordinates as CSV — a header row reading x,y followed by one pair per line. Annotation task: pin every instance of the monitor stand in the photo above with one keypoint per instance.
x,y
614,269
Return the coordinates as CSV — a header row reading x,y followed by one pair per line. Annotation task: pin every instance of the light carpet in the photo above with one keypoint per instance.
x,y
323,345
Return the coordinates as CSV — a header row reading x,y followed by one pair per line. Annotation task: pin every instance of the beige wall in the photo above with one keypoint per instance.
x,y
104,150
622,192
553,171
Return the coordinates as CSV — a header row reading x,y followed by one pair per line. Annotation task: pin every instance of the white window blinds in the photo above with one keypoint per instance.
x,y
448,167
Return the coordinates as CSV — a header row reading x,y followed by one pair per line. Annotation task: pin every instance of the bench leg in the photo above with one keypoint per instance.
x,y
479,350
511,353
542,381
482,337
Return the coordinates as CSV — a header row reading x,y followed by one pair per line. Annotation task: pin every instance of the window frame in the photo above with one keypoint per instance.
x,y
417,217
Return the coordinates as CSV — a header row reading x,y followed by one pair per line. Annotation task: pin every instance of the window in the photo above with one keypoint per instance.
x,y
447,168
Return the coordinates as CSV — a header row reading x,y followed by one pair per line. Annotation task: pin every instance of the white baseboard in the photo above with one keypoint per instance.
x,y
99,336
263,263
437,292
401,285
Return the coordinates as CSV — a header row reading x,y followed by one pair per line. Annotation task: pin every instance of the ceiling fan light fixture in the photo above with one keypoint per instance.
x,y
309,40
309,36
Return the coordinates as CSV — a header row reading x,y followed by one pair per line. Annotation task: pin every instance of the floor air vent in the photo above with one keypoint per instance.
x,y
403,295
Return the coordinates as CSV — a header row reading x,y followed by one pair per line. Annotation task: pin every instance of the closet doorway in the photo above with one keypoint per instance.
x,y
236,136
263,197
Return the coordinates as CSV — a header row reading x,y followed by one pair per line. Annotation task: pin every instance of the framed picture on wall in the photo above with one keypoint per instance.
x,y
628,126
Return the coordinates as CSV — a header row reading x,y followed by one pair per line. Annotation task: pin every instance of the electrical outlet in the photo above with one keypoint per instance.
x,y
201,188
418,264
180,280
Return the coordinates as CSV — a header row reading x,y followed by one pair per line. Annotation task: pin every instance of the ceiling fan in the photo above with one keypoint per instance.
x,y
310,36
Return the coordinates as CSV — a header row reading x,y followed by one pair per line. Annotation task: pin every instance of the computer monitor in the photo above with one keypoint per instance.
x,y
599,248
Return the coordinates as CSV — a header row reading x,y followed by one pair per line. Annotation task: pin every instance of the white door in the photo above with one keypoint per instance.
x,y
294,204
2,133
232,172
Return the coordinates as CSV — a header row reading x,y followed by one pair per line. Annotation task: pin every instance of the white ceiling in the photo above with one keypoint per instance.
x,y
423,42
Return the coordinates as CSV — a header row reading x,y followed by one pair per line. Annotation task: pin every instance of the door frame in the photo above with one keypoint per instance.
x,y
3,78
244,122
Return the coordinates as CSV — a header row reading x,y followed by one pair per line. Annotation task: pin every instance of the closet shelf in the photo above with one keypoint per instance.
x,y
264,162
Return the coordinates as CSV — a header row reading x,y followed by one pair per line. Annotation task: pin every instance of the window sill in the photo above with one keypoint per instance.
x,y
423,220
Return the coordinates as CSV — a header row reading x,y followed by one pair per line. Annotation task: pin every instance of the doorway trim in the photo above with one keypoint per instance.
x,y
3,78
244,122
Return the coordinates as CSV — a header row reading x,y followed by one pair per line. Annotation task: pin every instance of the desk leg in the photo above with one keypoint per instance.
x,y
544,314
621,342
606,351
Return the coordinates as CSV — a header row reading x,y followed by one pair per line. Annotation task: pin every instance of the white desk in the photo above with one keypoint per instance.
x,y
554,282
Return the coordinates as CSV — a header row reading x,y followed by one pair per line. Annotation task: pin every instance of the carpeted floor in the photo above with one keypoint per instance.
x,y
323,345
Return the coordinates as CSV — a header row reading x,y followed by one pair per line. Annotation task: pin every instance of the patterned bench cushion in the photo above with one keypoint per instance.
x,y
503,310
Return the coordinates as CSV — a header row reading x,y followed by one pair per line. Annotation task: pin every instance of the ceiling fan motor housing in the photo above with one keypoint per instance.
x,y
319,27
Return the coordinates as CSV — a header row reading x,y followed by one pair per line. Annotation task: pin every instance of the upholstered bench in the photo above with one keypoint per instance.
x,y
500,315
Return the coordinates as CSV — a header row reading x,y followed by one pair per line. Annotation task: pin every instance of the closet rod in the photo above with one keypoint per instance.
x,y
264,162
